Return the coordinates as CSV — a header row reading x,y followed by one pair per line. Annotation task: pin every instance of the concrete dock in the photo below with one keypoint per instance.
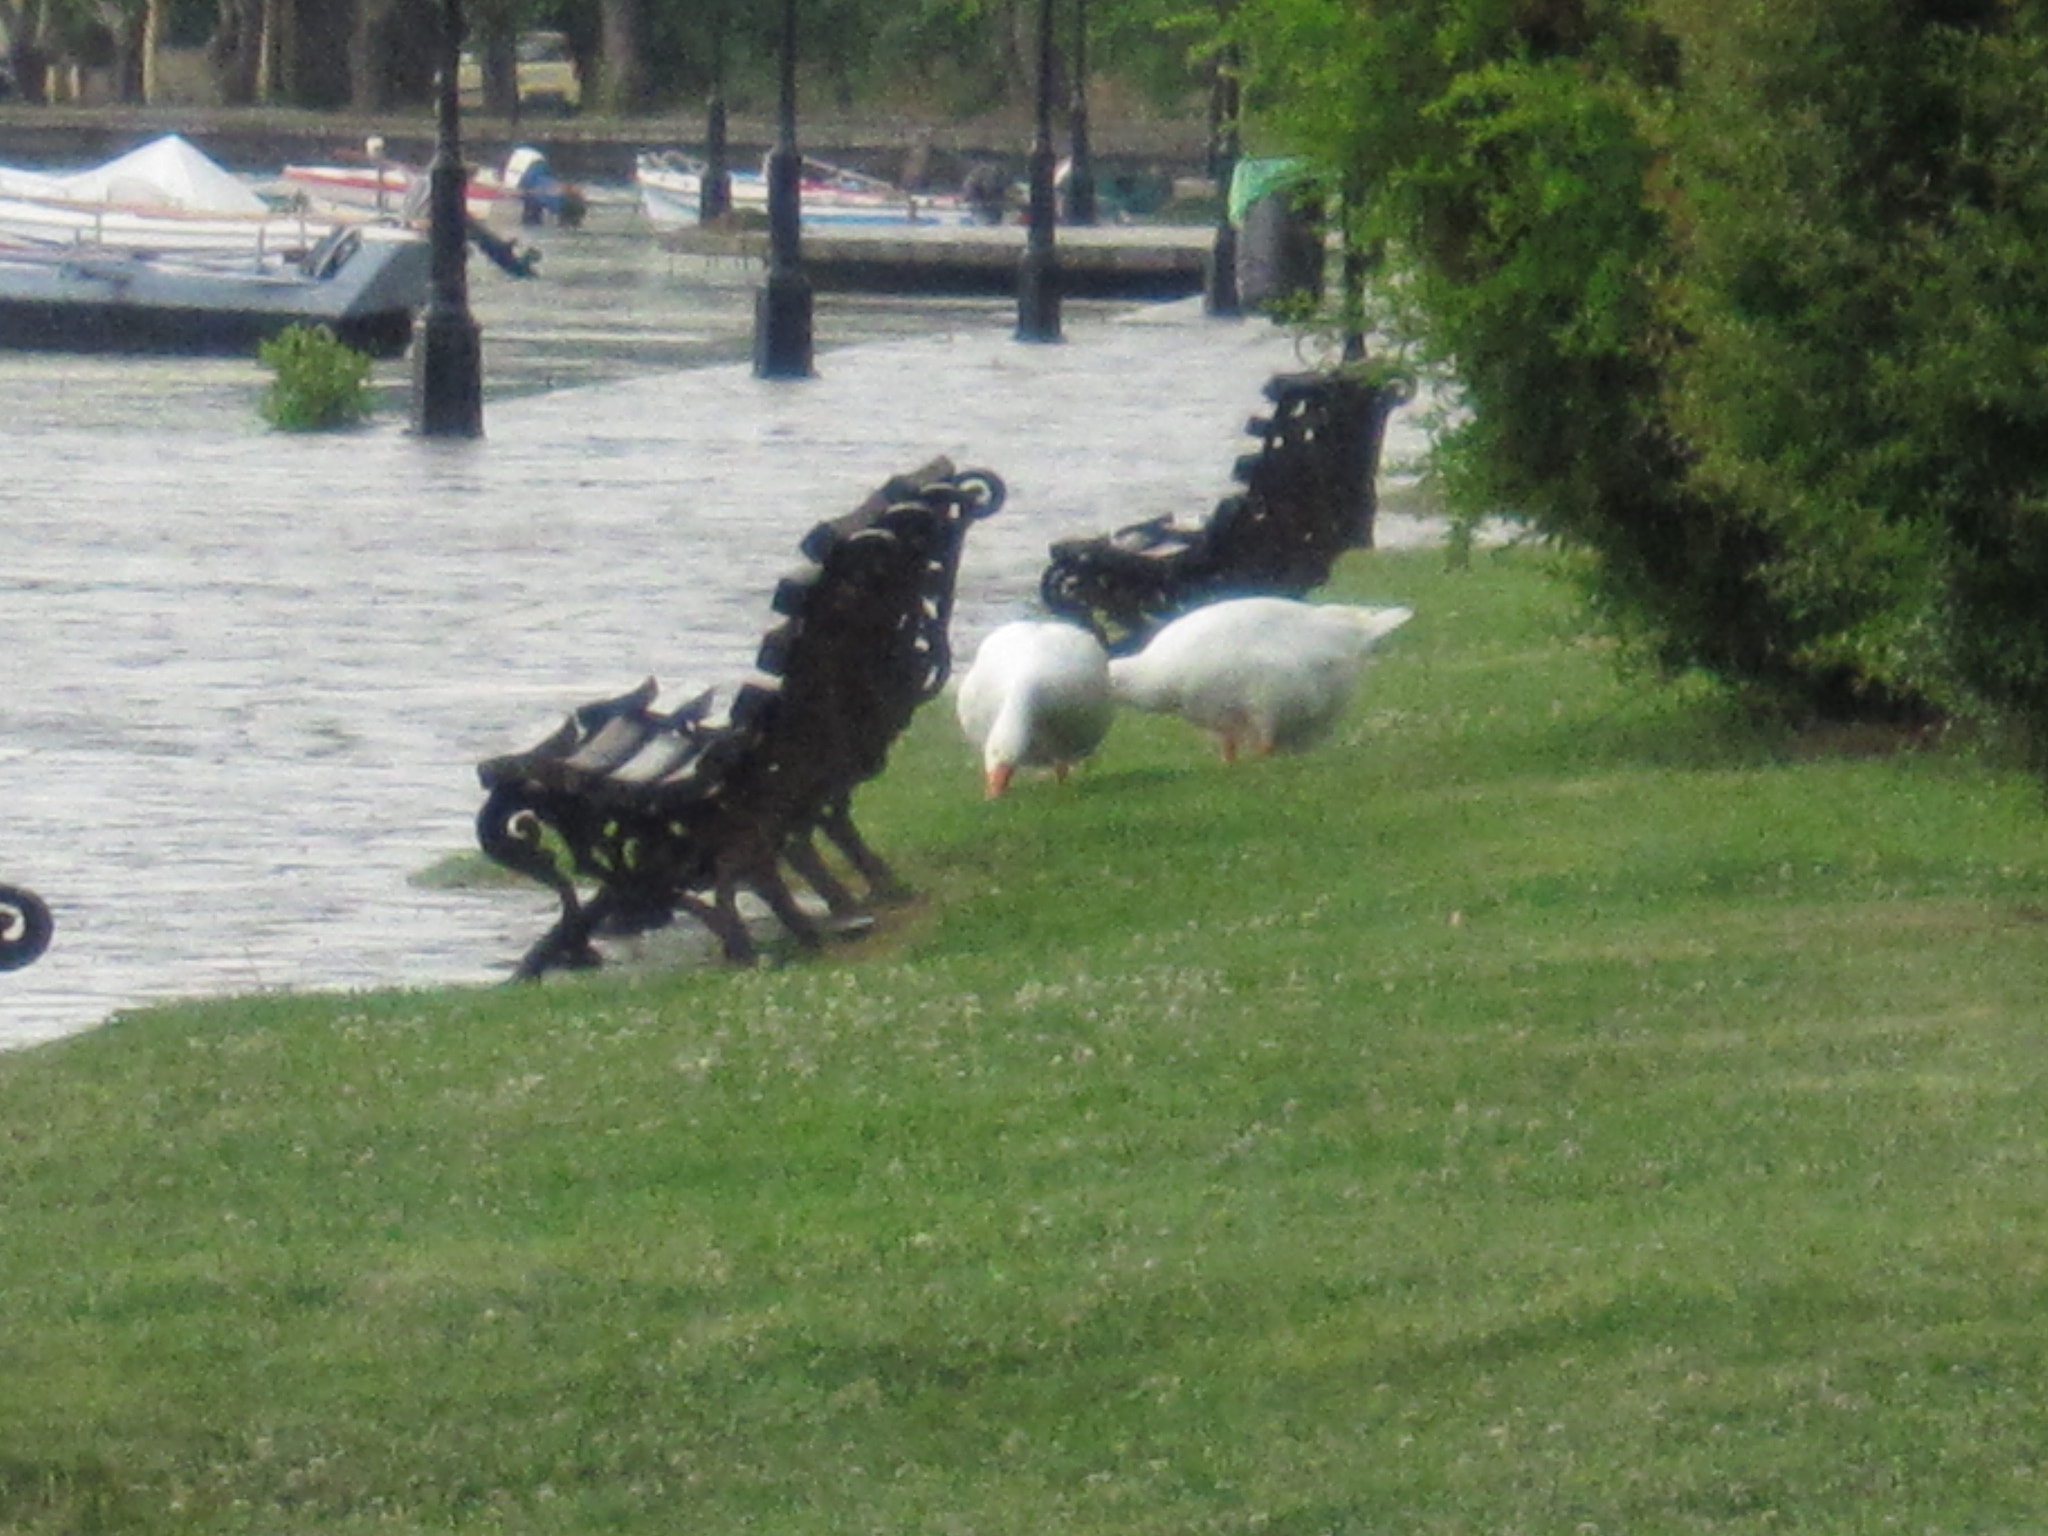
x,y
1133,261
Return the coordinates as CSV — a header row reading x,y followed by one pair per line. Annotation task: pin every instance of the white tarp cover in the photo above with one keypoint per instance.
x,y
165,174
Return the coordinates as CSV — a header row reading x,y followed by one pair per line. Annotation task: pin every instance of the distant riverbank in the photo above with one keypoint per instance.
x,y
586,148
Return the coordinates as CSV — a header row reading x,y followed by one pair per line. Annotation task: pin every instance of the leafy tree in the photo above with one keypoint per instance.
x,y
1742,299
31,42
1864,317
1508,184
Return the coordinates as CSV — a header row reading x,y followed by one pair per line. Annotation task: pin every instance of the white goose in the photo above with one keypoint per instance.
x,y
1036,696
1261,674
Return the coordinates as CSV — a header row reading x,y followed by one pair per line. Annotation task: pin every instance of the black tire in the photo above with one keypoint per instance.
x,y
25,927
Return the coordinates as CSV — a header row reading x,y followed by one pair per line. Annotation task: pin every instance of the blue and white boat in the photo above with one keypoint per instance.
x,y
671,186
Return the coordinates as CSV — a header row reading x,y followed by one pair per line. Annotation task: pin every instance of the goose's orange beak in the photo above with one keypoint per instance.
x,y
997,781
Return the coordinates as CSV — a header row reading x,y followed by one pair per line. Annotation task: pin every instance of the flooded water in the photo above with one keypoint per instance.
x,y
250,673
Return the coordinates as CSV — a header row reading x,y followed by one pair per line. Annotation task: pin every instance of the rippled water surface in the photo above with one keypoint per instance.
x,y
250,674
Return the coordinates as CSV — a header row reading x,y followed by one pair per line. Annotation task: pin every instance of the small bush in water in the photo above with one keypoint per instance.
x,y
320,385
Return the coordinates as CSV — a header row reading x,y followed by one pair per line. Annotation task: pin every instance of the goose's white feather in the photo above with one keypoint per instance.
x,y
1036,696
1262,674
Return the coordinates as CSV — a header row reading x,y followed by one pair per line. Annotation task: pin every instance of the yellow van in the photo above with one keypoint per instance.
x,y
547,74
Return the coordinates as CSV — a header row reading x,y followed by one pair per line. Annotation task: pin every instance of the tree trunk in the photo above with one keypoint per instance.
x,y
495,51
235,51
129,32
622,84
271,43
369,81
153,19
28,52
314,53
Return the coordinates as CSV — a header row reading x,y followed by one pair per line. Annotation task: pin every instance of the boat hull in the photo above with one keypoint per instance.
x,y
63,325
111,303
671,192
390,191
523,192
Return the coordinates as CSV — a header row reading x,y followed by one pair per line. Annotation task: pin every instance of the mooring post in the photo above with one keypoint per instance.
x,y
1038,276
1081,206
782,308
447,347
1355,266
714,195
1220,298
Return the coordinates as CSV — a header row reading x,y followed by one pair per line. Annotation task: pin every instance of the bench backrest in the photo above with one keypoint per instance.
x,y
1308,496
863,640
861,643
1309,490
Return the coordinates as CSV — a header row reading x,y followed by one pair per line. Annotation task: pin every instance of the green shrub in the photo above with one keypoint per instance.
x,y
1740,300
321,384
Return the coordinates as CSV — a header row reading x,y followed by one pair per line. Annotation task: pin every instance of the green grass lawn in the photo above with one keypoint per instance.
x,y
1558,1105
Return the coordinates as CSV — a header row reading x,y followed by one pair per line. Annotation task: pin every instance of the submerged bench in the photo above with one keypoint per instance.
x,y
682,811
1309,495
25,927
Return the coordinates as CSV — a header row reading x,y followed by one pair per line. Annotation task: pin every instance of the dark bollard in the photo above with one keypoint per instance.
x,y
1038,296
1355,266
714,197
1219,275
782,309
782,326
1038,275
448,348
1081,201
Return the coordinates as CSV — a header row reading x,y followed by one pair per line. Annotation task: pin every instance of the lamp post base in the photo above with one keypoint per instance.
x,y
448,375
1219,294
782,327
1038,297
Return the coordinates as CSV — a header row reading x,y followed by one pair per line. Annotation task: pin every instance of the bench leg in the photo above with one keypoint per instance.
x,y
754,870
567,945
802,856
723,921
564,947
769,885
509,832
883,884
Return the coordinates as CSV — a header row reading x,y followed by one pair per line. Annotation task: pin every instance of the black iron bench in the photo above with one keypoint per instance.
x,y
25,927
1309,495
682,811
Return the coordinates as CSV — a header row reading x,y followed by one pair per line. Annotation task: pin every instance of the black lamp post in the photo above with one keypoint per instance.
x,y
448,349
1038,276
1355,264
1081,160
1220,296
714,197
782,308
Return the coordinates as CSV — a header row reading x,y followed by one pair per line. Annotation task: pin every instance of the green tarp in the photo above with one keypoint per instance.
x,y
1253,179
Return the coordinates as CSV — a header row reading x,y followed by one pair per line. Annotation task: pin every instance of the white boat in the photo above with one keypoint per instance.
x,y
523,191
165,196
671,186
163,250
365,282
